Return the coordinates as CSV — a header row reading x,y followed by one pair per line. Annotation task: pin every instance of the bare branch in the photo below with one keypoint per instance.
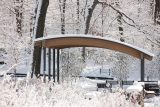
x,y
158,41
11,10
158,44
144,32
128,23
8,7
111,23
118,11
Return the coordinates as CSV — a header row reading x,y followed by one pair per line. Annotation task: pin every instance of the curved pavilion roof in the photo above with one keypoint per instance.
x,y
81,40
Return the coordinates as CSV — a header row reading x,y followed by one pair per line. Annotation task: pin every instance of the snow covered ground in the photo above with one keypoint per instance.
x,y
152,102
34,93
82,93
97,72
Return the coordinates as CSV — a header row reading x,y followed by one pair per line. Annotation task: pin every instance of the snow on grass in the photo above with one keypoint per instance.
x,y
35,93
152,102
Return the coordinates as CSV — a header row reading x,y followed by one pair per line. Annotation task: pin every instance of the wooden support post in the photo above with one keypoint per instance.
x,y
58,65
44,63
54,68
142,68
49,64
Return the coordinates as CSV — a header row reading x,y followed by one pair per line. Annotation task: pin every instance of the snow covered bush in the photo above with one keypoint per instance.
x,y
35,93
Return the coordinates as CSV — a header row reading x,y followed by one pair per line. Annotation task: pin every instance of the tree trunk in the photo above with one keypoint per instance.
x,y
19,16
157,12
77,29
120,28
39,30
62,6
88,20
62,10
90,12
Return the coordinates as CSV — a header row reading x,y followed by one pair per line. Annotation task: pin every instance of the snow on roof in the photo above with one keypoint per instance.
x,y
96,37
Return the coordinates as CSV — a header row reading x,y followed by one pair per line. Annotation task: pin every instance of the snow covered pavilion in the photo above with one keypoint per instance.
x,y
81,40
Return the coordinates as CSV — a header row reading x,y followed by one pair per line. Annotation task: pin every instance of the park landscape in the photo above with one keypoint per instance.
x,y
79,53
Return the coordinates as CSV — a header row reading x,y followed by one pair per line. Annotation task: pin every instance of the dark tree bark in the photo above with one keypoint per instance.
x,y
120,27
63,18
157,12
19,15
88,20
40,22
119,19
90,12
77,29
63,10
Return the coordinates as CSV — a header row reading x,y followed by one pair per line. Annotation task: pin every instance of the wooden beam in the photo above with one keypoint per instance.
x,y
142,68
49,64
58,65
44,62
54,68
67,42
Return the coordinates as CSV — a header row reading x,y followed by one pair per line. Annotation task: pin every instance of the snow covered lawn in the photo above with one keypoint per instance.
x,y
152,102
35,93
